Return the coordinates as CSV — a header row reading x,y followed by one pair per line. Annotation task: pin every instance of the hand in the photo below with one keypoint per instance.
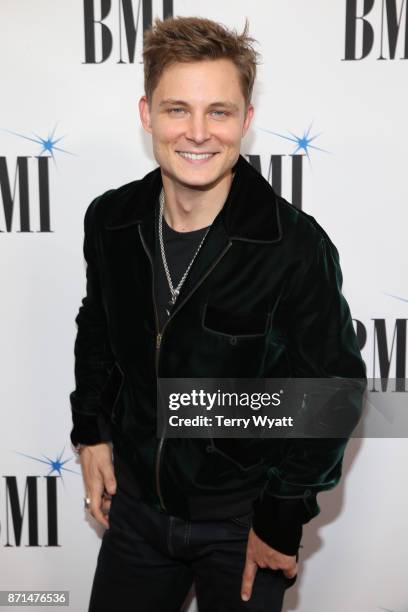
x,y
99,479
259,554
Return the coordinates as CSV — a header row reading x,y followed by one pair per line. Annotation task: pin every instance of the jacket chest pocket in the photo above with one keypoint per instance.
x,y
235,325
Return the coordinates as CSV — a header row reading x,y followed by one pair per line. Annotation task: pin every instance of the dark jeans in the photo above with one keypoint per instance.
x,y
148,561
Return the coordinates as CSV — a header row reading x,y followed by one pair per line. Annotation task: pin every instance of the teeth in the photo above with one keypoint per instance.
x,y
195,155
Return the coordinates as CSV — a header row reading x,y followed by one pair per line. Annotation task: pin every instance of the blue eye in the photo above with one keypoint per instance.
x,y
175,110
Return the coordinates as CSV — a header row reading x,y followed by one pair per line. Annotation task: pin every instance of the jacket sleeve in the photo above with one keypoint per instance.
x,y
93,355
322,344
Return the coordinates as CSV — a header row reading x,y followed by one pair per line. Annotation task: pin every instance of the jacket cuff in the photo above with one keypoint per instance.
x,y
279,522
90,429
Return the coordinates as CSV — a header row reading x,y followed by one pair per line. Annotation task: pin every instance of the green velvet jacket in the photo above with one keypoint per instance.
x,y
262,299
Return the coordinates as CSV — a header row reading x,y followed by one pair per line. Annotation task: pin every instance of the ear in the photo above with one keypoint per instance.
x,y
144,112
248,118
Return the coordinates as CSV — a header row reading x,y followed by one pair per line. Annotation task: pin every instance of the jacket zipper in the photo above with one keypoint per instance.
x,y
159,338
156,362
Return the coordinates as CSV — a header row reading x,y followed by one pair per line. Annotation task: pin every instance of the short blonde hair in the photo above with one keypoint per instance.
x,y
191,39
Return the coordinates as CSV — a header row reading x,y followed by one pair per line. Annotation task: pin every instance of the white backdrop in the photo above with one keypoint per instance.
x,y
354,555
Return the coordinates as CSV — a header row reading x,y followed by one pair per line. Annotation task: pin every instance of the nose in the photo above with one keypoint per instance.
x,y
197,128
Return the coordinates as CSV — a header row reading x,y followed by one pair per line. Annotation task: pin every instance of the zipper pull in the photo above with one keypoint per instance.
x,y
158,340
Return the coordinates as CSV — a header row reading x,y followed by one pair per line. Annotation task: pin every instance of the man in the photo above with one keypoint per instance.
x,y
200,270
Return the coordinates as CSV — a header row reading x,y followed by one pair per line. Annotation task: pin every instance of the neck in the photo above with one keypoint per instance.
x,y
188,209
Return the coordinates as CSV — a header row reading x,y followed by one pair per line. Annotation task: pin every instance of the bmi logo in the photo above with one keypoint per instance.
x,y
287,169
25,185
29,504
389,349
377,27
111,27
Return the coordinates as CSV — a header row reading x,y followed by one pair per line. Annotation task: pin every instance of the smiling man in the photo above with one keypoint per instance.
x,y
199,270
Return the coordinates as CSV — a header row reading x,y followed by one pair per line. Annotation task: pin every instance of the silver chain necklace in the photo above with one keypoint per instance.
x,y
173,290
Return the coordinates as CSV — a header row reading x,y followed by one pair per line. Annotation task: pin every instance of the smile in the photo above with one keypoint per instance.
x,y
195,156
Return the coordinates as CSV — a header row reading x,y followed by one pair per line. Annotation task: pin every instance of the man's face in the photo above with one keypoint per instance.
x,y
197,119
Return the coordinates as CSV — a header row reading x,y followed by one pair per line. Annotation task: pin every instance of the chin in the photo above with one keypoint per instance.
x,y
194,177
196,184
200,181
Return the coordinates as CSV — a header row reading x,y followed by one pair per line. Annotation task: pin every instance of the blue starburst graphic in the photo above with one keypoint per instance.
x,y
397,297
55,465
48,144
303,143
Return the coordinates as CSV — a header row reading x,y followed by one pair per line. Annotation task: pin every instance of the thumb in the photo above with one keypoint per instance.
x,y
109,479
291,573
248,578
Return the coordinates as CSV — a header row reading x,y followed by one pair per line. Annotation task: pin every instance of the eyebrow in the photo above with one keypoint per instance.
x,y
222,103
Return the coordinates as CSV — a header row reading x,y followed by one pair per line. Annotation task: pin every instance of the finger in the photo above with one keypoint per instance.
x,y
248,578
291,572
106,504
98,515
109,480
106,508
95,494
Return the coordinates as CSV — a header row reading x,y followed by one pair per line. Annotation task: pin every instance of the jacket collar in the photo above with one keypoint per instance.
x,y
250,211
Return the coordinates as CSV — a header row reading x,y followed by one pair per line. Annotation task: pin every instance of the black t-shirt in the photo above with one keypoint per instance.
x,y
179,248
